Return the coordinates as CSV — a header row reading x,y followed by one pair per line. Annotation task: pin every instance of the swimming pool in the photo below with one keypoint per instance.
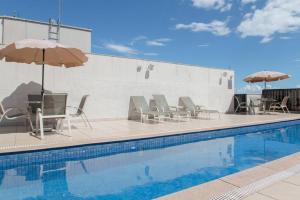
x,y
146,168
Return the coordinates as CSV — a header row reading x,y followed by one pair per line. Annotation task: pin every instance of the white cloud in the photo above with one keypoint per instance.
x,y
158,42
244,2
120,48
297,60
277,16
215,27
136,39
285,38
151,54
252,88
266,40
222,5
253,7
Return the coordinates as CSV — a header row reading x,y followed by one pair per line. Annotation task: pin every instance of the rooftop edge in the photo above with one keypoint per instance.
x,y
44,23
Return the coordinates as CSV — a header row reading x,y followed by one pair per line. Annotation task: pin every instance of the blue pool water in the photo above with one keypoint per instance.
x,y
146,168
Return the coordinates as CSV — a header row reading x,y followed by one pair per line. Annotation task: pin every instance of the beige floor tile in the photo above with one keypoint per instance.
x,y
7,139
295,179
26,139
283,163
282,191
258,197
248,176
204,192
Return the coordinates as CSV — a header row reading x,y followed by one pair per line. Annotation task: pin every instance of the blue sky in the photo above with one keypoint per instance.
x,y
243,35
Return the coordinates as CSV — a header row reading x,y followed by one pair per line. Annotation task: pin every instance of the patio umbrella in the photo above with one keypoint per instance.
x,y
265,76
43,52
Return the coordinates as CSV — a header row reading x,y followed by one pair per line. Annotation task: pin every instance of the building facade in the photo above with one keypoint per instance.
x,y
109,80
13,29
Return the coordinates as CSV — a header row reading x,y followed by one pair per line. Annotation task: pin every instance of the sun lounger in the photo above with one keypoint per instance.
x,y
282,106
141,107
173,111
188,104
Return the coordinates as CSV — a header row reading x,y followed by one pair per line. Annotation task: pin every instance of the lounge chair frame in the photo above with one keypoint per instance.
x,y
172,111
142,108
240,105
282,105
187,104
19,114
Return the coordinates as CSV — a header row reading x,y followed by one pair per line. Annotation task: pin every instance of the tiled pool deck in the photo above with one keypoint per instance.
x,y
14,139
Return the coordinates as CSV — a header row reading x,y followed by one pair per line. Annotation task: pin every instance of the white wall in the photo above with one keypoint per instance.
x,y
1,29
112,80
15,30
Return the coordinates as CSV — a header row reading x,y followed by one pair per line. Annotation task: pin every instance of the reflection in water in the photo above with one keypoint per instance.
x,y
147,174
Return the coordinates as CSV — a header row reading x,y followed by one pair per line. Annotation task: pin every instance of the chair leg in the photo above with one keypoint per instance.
x,y
37,124
30,123
59,125
69,125
83,120
287,109
88,122
42,127
236,108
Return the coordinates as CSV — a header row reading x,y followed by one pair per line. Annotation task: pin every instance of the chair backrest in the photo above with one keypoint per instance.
x,y
251,103
237,100
140,103
285,100
2,111
187,103
54,104
161,102
35,102
82,104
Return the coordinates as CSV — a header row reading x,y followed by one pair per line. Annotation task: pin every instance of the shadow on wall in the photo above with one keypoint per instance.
x,y
19,97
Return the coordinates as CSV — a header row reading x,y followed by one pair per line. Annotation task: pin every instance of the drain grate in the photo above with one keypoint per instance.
x,y
245,191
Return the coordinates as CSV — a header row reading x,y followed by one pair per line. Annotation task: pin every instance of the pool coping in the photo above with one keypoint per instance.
x,y
92,141
228,186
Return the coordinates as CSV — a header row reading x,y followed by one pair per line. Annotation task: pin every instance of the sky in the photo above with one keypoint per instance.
x,y
243,35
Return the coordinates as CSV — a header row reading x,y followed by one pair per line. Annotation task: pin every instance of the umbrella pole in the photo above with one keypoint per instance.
x,y
43,71
265,85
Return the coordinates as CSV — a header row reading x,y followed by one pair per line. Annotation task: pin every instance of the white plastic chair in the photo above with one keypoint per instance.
x,y
13,113
241,105
282,105
80,113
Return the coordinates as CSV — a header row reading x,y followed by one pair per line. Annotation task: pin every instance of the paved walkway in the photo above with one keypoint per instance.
x,y
16,139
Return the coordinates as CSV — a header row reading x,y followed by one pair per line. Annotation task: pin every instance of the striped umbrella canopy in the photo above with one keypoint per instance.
x,y
266,76
43,52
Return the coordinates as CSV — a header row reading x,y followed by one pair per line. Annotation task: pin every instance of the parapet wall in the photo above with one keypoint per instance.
x,y
111,81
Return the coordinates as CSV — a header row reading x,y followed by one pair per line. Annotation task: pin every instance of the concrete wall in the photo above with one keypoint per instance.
x,y
112,80
18,29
